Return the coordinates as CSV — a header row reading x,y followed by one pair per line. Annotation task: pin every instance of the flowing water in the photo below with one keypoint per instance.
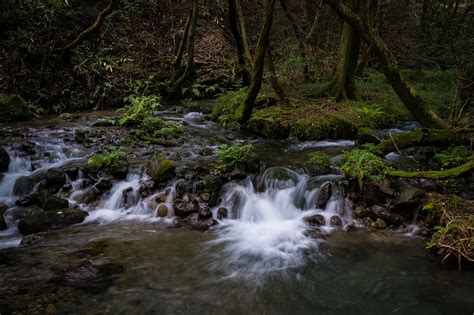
x,y
263,258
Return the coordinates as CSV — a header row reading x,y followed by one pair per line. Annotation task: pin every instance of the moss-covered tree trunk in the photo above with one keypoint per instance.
x,y
299,37
343,86
234,28
418,108
276,86
262,45
189,50
181,48
243,32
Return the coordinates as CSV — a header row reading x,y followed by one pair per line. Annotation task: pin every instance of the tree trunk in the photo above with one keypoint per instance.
x,y
243,32
299,37
415,105
182,46
314,25
189,50
234,28
262,45
343,86
273,78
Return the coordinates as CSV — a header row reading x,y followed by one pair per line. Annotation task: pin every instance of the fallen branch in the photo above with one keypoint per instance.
x,y
159,141
449,173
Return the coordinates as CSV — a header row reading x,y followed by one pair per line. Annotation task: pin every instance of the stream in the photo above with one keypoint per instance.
x,y
263,258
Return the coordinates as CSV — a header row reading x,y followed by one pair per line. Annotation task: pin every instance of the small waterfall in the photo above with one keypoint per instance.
x,y
266,228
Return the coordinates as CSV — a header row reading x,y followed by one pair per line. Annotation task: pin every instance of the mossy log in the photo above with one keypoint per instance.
x,y
159,141
98,21
443,174
424,137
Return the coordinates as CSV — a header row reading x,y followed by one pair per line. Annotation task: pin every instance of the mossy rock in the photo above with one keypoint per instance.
x,y
114,163
160,169
13,108
367,135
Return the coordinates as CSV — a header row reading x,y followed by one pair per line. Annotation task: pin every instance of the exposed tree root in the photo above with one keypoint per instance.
x,y
449,173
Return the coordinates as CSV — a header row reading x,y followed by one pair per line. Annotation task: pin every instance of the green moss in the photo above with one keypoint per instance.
x,y
68,116
160,169
140,108
114,163
230,156
453,156
443,174
318,163
160,128
364,166
229,106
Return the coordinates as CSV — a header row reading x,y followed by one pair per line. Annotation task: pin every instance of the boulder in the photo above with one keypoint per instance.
x,y
94,192
409,199
315,220
324,194
40,220
23,185
54,203
28,200
4,160
160,169
237,173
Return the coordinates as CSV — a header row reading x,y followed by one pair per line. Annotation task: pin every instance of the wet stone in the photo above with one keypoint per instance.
x,y
222,213
162,210
335,221
315,220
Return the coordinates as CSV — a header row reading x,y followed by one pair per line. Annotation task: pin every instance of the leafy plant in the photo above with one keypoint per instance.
x,y
114,162
230,156
229,107
318,163
158,127
140,108
363,165
452,157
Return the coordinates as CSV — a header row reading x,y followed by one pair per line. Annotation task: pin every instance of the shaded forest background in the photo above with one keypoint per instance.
x,y
132,52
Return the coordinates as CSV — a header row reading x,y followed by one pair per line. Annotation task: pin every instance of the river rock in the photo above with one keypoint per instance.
x,y
28,200
335,221
40,220
4,160
205,197
386,215
29,240
3,224
160,169
315,220
183,208
162,210
380,223
204,212
361,212
23,185
54,203
324,194
222,213
237,173
200,224
95,191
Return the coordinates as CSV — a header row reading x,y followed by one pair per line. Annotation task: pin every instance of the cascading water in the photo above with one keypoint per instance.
x,y
266,228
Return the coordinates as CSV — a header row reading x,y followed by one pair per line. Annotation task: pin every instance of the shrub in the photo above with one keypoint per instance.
x,y
230,156
363,165
158,127
229,107
452,157
318,163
